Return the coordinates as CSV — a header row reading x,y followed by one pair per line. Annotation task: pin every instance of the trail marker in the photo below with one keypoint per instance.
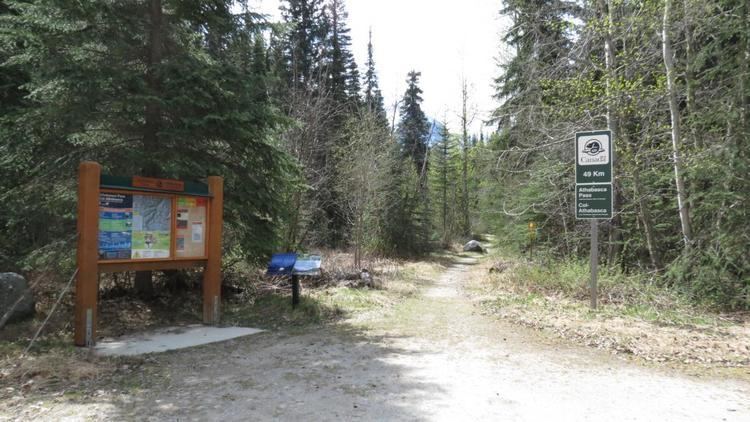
x,y
594,195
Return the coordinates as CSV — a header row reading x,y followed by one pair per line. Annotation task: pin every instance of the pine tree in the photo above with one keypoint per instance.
x,y
444,176
413,127
373,97
317,38
302,47
342,74
137,88
538,37
413,135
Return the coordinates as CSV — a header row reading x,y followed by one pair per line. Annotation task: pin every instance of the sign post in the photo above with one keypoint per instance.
x,y
532,238
87,279
593,194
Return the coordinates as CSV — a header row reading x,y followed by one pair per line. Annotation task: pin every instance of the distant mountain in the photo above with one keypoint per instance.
x,y
436,127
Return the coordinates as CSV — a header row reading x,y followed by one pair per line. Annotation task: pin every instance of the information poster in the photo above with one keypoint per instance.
x,y
190,241
115,226
152,220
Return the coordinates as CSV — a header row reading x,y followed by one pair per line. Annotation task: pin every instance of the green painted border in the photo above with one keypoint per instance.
x,y
126,183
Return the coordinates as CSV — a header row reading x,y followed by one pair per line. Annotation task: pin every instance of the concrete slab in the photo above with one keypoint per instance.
x,y
169,339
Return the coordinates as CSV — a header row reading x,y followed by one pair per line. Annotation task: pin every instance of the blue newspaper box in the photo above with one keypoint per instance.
x,y
282,264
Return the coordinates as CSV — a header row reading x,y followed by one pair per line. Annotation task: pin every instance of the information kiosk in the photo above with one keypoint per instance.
x,y
142,224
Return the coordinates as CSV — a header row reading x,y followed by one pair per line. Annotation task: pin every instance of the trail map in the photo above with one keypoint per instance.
x,y
152,218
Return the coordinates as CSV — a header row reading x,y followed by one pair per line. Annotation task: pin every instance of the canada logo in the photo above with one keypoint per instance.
x,y
593,147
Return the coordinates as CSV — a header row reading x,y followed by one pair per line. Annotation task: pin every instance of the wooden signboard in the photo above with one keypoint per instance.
x,y
141,224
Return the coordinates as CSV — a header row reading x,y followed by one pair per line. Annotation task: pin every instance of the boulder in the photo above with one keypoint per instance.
x,y
498,267
364,279
473,246
12,287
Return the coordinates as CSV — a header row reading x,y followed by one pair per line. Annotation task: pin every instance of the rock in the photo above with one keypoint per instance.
x,y
369,281
364,279
473,246
498,267
13,286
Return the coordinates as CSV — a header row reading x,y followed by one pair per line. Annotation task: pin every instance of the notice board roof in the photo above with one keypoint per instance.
x,y
179,187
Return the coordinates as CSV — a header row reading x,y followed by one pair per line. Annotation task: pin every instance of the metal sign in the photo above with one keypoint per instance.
x,y
594,201
594,174
594,157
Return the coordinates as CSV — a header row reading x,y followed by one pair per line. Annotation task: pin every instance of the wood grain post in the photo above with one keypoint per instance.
x,y
594,262
212,272
87,254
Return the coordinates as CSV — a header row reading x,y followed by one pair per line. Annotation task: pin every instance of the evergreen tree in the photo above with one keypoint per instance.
x,y
135,87
444,176
403,233
317,38
342,73
373,97
410,187
637,67
538,37
413,127
302,47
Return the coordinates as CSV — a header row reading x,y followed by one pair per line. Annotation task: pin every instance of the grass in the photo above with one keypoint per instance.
x,y
273,310
636,314
54,363
620,294
319,305
56,370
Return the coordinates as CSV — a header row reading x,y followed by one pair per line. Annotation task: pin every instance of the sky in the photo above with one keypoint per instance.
x,y
443,39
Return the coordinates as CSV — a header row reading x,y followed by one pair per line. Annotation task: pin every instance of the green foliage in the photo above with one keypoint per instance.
x,y
373,98
142,92
363,166
318,87
407,218
557,84
413,128
405,231
444,177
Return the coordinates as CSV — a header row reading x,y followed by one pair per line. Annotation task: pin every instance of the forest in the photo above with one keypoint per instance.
x,y
312,157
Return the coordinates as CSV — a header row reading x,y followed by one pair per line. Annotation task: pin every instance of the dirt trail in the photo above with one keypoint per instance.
x,y
434,358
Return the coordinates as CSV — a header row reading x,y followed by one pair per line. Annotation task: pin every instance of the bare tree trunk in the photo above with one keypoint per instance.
x,y
465,159
445,193
393,116
675,117
290,243
144,285
563,214
358,241
745,78
689,76
648,224
615,234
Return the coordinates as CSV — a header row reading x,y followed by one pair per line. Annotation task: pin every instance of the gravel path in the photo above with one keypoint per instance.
x,y
433,358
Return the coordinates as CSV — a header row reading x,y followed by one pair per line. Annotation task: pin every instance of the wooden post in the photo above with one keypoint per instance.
x,y
87,255
295,290
212,272
594,262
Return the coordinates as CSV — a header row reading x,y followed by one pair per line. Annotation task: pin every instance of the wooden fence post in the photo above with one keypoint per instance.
x,y
212,272
87,254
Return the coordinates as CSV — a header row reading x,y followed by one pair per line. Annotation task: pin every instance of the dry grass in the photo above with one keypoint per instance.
x,y
52,369
55,365
650,323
